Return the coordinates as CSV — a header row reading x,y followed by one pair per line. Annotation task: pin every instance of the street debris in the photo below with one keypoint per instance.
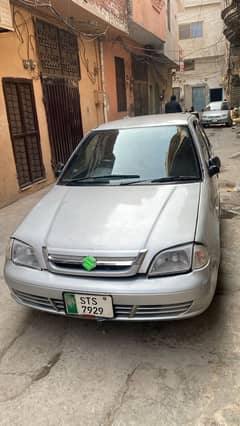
x,y
236,155
234,189
228,213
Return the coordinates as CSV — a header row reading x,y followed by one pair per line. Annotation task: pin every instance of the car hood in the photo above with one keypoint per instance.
x,y
112,219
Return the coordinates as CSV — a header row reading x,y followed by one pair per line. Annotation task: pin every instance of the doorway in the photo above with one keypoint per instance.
x,y
198,98
140,86
62,103
23,125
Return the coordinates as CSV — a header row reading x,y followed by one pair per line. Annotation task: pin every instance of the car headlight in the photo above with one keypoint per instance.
x,y
179,260
23,254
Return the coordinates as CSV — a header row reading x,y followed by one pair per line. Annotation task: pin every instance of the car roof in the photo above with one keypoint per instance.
x,y
218,103
215,102
148,121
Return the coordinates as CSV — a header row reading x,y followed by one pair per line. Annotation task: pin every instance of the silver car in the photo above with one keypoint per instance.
x,y
217,113
130,231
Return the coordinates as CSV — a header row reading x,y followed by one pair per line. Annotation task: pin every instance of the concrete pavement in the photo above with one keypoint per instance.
x,y
61,371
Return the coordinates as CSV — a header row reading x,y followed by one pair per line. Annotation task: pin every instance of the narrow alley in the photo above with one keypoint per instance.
x,y
167,373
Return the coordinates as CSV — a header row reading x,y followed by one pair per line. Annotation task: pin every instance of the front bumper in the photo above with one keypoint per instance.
x,y
134,299
214,121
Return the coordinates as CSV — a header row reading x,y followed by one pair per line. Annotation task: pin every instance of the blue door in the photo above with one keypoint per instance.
x,y
198,98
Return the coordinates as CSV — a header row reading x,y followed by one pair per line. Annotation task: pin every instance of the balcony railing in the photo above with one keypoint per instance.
x,y
230,11
231,17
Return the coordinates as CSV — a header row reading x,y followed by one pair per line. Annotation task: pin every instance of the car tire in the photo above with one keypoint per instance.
x,y
229,124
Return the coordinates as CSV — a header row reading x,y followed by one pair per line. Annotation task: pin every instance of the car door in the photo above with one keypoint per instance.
x,y
208,153
209,216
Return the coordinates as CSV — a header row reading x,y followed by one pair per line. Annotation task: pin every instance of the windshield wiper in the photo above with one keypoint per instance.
x,y
93,179
164,179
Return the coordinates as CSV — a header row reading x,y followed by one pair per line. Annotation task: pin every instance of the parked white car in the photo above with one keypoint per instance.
x,y
130,231
217,113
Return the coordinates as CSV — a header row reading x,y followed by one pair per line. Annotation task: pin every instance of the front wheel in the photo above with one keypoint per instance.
x,y
229,124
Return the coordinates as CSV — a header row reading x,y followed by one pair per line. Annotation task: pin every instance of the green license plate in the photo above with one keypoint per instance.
x,y
88,305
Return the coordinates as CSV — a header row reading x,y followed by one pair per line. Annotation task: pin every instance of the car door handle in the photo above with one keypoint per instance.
x,y
217,208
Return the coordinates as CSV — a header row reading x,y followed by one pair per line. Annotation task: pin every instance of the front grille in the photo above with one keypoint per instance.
x,y
40,302
122,312
218,117
151,311
105,266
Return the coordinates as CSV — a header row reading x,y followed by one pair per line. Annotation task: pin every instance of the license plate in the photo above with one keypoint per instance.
x,y
88,305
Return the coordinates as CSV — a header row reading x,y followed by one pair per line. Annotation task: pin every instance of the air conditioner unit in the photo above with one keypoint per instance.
x,y
6,23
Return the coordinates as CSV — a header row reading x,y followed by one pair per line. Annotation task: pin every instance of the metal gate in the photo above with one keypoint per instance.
x,y
140,86
62,103
121,84
23,124
140,92
198,98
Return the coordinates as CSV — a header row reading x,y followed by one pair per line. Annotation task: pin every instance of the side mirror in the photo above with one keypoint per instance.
x,y
58,169
214,166
213,170
215,161
196,114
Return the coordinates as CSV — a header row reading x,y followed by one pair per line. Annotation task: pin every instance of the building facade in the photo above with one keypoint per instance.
x,y
231,18
200,78
50,94
67,67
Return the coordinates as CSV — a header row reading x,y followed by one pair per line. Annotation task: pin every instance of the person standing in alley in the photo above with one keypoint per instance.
x,y
173,106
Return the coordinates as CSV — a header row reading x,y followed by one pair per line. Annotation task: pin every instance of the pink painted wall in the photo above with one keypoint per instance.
x,y
151,15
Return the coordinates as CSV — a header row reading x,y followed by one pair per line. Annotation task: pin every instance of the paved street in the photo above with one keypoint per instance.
x,y
60,371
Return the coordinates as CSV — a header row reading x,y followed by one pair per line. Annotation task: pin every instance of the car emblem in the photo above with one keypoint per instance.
x,y
89,263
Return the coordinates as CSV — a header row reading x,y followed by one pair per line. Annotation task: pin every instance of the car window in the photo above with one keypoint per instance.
x,y
204,142
225,106
145,153
214,106
207,141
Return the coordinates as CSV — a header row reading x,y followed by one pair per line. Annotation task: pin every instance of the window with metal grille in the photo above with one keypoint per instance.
x,y
120,84
196,29
57,50
23,125
192,30
139,69
189,65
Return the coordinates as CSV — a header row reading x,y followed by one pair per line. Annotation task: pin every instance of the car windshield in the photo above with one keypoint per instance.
x,y
126,156
217,106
